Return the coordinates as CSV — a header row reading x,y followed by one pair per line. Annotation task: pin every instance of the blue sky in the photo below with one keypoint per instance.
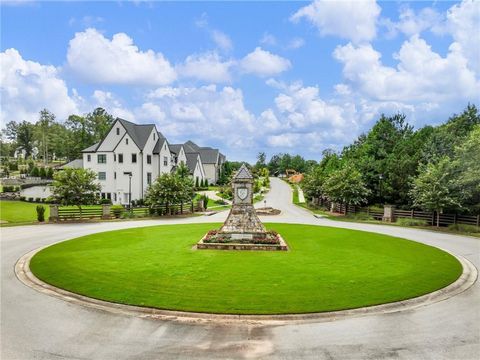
x,y
293,77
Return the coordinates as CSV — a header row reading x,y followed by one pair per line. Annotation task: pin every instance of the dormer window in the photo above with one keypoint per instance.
x,y
126,141
118,131
153,136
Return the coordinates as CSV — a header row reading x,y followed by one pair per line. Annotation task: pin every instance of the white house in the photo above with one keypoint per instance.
x,y
131,156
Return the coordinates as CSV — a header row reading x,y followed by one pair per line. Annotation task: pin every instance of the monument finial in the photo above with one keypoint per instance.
x,y
243,173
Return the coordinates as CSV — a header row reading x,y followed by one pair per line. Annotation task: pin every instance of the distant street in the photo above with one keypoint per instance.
x,y
37,326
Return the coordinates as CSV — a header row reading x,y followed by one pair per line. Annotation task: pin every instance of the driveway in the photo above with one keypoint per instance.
x,y
36,326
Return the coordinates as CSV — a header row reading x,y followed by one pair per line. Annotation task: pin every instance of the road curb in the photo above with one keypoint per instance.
x,y
463,283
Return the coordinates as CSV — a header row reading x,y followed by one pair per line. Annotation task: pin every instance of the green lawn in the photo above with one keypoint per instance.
x,y
16,212
22,212
326,269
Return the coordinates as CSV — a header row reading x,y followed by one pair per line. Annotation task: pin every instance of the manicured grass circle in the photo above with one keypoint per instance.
x,y
326,269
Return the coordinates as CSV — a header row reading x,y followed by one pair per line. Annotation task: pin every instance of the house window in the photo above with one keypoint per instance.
x,y
118,131
102,175
134,158
89,157
149,178
114,157
165,160
120,158
102,158
115,197
149,159
153,136
114,174
126,141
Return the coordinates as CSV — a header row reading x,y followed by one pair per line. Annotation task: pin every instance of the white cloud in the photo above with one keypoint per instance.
x,y
27,87
207,66
353,20
268,39
263,63
98,59
112,104
411,23
150,112
420,76
207,114
463,22
287,140
222,40
296,43
303,107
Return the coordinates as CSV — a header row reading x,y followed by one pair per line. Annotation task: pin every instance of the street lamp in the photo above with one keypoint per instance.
x,y
129,173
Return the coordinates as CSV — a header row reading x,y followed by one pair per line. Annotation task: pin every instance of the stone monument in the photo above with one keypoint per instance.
x,y
242,230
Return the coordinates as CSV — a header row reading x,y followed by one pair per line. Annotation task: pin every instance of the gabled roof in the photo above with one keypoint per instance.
x,y
192,159
243,173
175,148
208,155
74,164
158,145
138,133
191,147
92,148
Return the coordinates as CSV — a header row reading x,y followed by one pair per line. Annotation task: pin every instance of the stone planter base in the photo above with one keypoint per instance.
x,y
282,246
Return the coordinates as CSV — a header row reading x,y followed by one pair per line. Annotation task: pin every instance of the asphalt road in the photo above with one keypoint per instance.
x,y
37,326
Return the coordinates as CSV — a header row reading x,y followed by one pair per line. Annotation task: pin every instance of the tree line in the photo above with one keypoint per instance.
x,y
51,137
435,168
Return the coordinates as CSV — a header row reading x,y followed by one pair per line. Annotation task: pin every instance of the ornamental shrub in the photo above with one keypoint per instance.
x,y
464,228
42,173
117,210
40,213
35,172
411,222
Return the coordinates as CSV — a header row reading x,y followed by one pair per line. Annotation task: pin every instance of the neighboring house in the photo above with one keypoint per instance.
x,y
128,148
212,160
143,152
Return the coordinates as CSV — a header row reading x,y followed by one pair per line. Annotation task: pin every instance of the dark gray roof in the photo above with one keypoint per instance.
x,y
191,147
175,148
208,155
74,164
243,173
158,145
192,159
92,148
138,133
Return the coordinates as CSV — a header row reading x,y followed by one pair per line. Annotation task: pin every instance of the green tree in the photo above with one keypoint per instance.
x,y
25,137
346,186
99,123
435,188
43,126
467,164
169,189
182,170
75,187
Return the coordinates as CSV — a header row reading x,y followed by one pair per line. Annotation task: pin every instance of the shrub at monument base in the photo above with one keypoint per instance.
x,y
326,269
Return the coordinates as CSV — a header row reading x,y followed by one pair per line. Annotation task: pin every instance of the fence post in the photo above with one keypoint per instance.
x,y
478,220
388,213
53,213
412,214
455,218
191,206
105,211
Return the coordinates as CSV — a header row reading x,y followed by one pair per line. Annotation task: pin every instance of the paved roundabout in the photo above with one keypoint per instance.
x,y
34,325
